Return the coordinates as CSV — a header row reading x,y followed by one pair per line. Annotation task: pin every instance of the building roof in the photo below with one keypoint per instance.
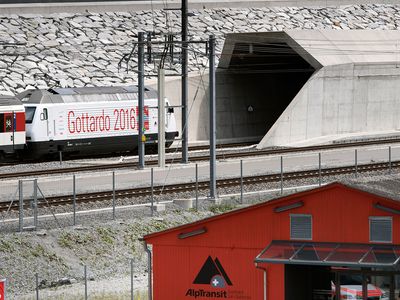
x,y
384,187
330,254
9,100
319,47
85,94
334,47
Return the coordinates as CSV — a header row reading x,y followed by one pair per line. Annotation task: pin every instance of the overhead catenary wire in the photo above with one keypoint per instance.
x,y
279,45
321,45
201,74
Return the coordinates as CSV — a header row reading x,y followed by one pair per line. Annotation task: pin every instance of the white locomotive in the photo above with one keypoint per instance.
x,y
12,125
90,120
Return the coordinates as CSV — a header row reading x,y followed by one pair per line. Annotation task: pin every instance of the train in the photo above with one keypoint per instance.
x,y
79,121
12,125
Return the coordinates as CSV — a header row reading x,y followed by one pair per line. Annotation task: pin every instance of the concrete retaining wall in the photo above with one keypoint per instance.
x,y
339,102
19,7
267,95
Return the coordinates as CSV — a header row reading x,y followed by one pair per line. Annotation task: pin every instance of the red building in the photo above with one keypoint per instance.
x,y
292,248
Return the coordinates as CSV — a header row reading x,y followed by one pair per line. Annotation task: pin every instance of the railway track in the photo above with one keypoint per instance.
x,y
203,185
171,150
221,156
206,147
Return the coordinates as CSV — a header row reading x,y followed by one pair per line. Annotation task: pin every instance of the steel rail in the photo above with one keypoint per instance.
x,y
203,185
168,150
221,156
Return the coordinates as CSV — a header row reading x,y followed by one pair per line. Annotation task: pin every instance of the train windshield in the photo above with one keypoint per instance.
x,y
29,114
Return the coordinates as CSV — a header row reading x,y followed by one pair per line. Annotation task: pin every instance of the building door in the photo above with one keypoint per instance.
x,y
304,282
7,127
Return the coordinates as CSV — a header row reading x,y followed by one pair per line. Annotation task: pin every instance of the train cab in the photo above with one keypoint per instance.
x,y
87,120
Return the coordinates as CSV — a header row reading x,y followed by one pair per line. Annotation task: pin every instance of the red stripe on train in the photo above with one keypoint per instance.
x,y
20,121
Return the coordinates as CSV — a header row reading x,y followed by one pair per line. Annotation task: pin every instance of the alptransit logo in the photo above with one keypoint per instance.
x,y
212,273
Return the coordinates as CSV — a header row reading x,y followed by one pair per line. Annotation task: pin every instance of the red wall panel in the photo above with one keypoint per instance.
x,y
340,214
176,268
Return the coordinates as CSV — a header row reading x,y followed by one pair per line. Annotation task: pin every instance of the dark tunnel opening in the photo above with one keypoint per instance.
x,y
259,83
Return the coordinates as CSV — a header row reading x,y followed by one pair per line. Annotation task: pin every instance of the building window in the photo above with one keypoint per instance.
x,y
300,227
380,229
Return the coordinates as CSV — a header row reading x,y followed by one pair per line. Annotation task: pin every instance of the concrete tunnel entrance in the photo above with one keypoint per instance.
x,y
257,78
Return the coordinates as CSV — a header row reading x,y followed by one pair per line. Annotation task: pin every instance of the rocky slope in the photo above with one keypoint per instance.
x,y
85,49
58,256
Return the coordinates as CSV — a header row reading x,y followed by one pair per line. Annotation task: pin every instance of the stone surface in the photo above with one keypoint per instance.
x,y
93,48
184,203
158,207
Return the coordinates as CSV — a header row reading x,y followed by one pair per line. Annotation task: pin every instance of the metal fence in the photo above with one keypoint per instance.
x,y
83,292
32,194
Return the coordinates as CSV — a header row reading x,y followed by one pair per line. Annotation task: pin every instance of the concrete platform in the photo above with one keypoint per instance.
x,y
184,203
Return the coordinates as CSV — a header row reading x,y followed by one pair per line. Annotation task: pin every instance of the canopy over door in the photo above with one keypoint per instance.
x,y
330,254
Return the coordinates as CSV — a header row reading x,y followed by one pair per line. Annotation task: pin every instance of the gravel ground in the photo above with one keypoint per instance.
x,y
72,163
106,246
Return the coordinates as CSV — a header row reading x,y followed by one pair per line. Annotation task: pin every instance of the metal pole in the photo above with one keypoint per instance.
x,y
364,287
161,118
60,155
37,285
197,187
281,175
141,137
5,287
150,271
113,200
241,181
152,191
149,50
390,159
319,169
356,162
337,286
74,197
265,284
21,206
392,287
184,14
213,133
85,274
35,204
132,279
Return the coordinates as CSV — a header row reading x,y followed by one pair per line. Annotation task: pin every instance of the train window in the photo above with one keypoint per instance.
x,y
44,115
29,114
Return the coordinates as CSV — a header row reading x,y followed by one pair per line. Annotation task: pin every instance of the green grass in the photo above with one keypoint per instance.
x,y
70,239
221,208
106,235
137,295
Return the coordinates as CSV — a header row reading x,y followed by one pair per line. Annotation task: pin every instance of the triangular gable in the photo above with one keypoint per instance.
x,y
274,202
